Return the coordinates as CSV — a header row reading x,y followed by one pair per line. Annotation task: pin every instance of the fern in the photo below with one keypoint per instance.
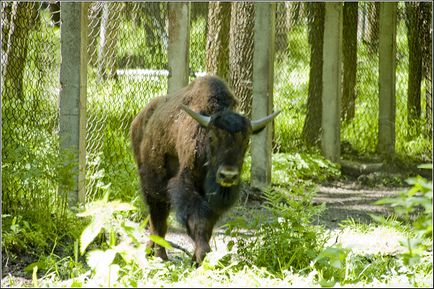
x,y
287,239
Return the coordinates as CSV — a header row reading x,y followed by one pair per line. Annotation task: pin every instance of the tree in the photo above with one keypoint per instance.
x,y
241,53
282,28
426,9
217,46
414,23
108,37
372,26
312,123
296,12
21,17
349,50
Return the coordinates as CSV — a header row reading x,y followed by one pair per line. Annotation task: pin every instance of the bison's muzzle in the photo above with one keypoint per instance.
x,y
228,176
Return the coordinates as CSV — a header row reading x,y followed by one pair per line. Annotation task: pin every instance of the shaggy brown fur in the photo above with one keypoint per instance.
x,y
178,159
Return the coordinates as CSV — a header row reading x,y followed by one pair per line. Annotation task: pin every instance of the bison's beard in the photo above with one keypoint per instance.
x,y
219,198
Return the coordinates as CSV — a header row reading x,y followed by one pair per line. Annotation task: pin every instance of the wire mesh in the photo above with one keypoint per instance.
x,y
291,74
127,67
30,87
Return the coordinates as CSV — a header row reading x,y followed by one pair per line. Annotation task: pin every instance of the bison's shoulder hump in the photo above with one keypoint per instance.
x,y
209,94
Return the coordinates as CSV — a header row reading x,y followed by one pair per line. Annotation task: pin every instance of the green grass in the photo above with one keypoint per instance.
x,y
280,248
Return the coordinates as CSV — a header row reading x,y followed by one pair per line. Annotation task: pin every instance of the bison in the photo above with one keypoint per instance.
x,y
189,147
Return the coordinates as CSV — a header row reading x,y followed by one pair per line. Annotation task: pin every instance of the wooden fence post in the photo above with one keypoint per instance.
x,y
262,101
178,48
387,80
72,98
332,81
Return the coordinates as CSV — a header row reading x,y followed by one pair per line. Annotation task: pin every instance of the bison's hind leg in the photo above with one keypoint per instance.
x,y
159,211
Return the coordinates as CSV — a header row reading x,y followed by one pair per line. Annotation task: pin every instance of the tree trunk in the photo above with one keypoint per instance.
x,y
296,12
200,10
349,60
312,123
427,61
108,40
16,48
6,23
241,53
372,29
414,24
217,46
282,28
155,26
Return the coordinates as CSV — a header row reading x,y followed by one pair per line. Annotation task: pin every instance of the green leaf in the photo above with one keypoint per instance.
x,y
35,277
101,260
117,206
160,241
425,166
90,233
76,284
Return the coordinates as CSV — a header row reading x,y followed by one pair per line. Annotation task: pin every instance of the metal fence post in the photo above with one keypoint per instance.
x,y
262,101
387,80
72,98
332,81
178,48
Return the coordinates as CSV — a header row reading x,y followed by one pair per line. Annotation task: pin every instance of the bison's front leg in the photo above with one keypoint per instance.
x,y
200,230
193,211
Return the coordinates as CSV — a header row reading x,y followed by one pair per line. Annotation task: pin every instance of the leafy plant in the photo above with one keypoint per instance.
x,y
123,249
415,207
286,238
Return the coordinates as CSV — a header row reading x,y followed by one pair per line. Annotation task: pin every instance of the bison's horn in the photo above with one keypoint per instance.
x,y
259,124
202,119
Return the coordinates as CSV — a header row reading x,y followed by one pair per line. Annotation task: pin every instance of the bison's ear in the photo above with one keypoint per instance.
x,y
201,119
258,125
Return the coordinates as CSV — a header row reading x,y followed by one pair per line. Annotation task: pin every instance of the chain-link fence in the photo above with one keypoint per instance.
x,y
127,66
296,23
30,88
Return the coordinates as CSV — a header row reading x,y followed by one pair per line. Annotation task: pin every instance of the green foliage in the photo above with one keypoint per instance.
x,y
35,243
55,265
198,45
302,166
415,207
287,239
292,168
340,265
122,255
19,236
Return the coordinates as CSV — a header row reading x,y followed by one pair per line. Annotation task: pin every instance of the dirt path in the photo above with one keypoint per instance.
x,y
349,199
343,200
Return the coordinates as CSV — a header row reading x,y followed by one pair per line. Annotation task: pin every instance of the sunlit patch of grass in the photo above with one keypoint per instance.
x,y
369,239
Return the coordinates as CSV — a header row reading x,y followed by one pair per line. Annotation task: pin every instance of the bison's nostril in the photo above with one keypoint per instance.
x,y
228,176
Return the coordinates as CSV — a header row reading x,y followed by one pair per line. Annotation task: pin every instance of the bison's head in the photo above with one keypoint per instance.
x,y
228,138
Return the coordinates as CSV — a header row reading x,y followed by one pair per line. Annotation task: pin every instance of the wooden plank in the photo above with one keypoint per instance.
x,y
387,80
262,102
332,81
178,48
72,98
